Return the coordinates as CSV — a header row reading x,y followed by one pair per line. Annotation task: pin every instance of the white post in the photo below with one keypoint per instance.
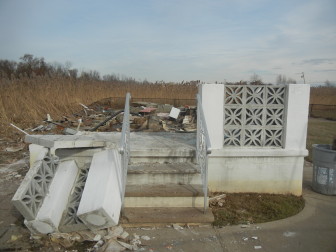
x,y
212,96
297,116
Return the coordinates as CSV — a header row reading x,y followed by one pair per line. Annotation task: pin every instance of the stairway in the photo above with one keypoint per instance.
x,y
163,182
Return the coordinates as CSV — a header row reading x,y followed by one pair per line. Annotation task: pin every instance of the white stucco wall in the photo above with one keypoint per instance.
x,y
251,169
256,170
297,116
212,96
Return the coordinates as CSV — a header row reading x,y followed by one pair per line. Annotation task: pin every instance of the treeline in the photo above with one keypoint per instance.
x,y
30,67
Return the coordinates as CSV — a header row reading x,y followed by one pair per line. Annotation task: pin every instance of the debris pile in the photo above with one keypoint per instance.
x,y
144,116
104,240
218,200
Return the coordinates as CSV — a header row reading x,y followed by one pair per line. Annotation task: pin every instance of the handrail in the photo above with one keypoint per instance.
x,y
203,149
124,147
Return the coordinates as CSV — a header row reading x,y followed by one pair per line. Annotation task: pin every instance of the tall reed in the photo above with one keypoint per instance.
x,y
26,101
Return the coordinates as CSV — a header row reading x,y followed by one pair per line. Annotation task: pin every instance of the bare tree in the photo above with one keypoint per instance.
x,y
327,83
7,68
282,79
256,79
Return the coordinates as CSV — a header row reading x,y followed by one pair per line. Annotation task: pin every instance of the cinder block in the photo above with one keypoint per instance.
x,y
70,222
55,202
101,199
30,195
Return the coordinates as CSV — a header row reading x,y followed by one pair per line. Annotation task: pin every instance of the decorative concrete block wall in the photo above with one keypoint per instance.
x,y
31,193
258,136
49,215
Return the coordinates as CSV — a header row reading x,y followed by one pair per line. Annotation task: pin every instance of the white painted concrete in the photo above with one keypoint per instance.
x,y
174,113
17,200
55,202
67,141
36,153
297,116
263,174
213,108
101,202
163,178
249,169
164,201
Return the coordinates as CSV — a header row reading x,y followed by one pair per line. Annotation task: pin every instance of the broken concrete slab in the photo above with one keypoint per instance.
x,y
174,112
64,141
36,153
34,187
54,204
101,199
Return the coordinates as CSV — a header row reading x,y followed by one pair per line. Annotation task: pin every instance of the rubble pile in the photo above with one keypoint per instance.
x,y
105,240
218,200
144,116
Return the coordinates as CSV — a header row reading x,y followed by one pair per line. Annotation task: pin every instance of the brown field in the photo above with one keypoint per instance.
x,y
323,102
26,101
323,95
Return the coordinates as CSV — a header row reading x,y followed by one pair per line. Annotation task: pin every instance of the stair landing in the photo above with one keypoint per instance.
x,y
162,140
149,216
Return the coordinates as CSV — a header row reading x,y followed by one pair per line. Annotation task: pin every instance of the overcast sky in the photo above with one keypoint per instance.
x,y
177,40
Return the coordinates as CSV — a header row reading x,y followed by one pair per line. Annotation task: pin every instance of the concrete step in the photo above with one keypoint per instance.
x,y
169,173
143,216
163,155
165,195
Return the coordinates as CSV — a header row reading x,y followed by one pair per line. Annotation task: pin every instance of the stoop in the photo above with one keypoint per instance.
x,y
163,182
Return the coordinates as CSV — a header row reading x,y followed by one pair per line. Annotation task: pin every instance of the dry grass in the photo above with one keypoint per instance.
x,y
320,131
26,101
243,208
323,95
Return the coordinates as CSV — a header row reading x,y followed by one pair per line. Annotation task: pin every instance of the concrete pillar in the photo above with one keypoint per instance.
x,y
55,202
100,204
297,116
36,153
212,96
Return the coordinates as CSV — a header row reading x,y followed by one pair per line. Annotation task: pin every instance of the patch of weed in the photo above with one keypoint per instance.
x,y
242,208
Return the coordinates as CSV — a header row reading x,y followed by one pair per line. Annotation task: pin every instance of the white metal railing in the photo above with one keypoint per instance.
x,y
124,147
203,148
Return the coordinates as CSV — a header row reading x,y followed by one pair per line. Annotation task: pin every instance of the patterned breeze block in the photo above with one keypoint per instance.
x,y
33,189
54,204
254,115
70,221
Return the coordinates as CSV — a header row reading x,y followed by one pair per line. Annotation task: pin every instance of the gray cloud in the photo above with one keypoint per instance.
x,y
318,61
325,70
